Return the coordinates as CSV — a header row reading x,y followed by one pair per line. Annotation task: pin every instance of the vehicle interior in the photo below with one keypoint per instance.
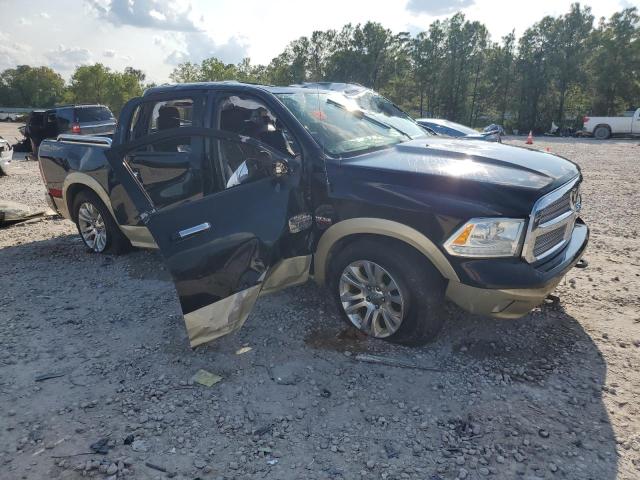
x,y
169,115
246,116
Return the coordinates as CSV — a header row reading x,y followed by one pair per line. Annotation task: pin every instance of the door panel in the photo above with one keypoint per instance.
x,y
219,248
168,177
247,225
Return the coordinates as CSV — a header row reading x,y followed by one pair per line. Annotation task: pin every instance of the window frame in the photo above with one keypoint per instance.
x,y
199,160
212,145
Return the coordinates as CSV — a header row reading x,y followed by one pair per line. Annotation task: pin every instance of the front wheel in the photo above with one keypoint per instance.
x,y
96,226
388,290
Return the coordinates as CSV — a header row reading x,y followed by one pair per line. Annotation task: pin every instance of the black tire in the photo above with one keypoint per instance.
x,y
421,286
116,242
602,132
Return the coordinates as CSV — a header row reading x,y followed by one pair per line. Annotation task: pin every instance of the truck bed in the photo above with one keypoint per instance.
x,y
70,155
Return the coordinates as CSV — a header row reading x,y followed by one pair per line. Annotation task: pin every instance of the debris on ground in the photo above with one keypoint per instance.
x,y
208,379
139,446
391,362
47,376
14,212
101,446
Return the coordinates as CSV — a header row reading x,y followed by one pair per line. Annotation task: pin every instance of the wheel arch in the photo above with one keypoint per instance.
x,y
355,228
76,182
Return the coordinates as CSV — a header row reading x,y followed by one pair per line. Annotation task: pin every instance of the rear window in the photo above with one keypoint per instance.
x,y
94,114
37,118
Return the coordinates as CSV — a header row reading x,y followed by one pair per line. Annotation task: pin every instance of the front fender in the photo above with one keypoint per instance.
x,y
383,227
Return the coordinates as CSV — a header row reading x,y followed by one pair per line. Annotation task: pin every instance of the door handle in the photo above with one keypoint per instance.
x,y
187,232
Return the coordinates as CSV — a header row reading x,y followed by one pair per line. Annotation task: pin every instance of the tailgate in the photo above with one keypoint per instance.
x,y
98,128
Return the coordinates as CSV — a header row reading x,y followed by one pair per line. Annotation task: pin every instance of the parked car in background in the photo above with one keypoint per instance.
x,y
9,117
6,154
494,128
604,127
69,119
247,189
440,126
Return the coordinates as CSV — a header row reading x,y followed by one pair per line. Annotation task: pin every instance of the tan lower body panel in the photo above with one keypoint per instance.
x,y
511,303
220,318
139,236
287,273
60,205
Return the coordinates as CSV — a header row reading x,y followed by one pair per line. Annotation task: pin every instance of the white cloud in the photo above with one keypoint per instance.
x,y
24,21
198,46
45,15
12,53
67,59
159,14
437,7
109,53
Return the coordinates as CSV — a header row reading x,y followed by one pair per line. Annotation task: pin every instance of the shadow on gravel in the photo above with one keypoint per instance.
x,y
537,381
504,399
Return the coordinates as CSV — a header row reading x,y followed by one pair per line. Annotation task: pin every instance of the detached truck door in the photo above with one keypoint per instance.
x,y
220,248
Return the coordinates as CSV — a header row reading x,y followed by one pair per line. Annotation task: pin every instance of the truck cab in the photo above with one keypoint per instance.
x,y
247,189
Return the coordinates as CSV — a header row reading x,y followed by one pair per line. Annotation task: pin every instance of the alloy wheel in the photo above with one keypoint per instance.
x,y
371,298
92,227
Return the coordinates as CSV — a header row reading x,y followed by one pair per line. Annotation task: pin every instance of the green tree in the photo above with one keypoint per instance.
x,y
427,53
534,69
26,86
186,72
614,63
98,84
570,40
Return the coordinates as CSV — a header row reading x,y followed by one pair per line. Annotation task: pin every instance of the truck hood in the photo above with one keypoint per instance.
x,y
471,160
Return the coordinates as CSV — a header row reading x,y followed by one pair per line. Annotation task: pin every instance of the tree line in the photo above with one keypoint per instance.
x,y
560,69
41,87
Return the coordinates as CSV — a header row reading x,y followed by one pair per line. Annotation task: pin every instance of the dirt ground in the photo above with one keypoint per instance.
x,y
553,395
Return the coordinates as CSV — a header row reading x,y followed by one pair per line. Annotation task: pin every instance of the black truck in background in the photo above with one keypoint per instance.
x,y
68,119
247,189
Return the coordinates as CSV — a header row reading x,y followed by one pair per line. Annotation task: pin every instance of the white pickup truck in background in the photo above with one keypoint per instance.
x,y
604,127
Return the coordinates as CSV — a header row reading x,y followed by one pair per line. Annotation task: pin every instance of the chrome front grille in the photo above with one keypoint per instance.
x,y
551,222
557,208
548,240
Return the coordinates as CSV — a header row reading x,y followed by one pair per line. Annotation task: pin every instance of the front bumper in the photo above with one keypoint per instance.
x,y
517,302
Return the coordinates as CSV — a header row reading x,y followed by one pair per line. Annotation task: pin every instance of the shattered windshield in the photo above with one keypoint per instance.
x,y
344,124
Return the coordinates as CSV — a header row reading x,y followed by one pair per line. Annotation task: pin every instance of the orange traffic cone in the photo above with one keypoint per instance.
x,y
529,138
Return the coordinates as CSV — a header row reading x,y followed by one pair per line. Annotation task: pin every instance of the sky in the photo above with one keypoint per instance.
x,y
156,35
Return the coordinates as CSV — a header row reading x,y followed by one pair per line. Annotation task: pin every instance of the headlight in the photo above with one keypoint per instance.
x,y
486,237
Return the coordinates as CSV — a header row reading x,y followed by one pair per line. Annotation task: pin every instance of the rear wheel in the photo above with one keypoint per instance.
x,y
602,133
388,290
96,226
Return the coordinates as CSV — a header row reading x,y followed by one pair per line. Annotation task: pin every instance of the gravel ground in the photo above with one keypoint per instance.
x,y
553,395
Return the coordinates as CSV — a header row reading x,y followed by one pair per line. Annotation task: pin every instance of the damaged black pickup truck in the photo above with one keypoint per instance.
x,y
247,189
